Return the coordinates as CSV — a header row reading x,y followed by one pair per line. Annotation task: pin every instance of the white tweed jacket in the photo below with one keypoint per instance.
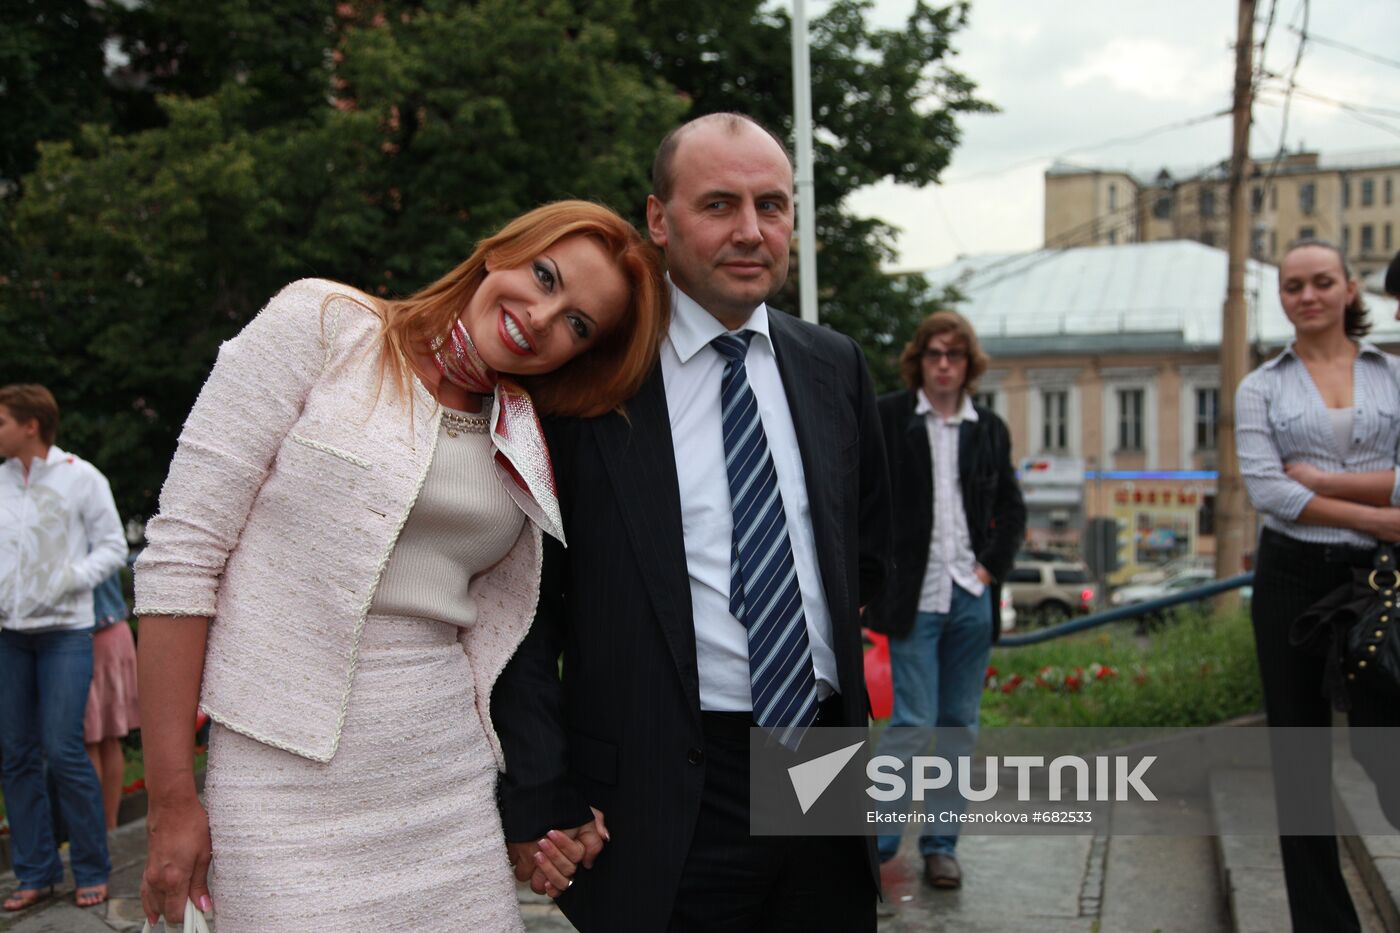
x,y
294,474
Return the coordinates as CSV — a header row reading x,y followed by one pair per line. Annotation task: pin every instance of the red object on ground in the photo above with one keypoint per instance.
x,y
877,675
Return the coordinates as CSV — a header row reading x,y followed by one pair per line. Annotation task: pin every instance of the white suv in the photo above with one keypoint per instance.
x,y
1045,592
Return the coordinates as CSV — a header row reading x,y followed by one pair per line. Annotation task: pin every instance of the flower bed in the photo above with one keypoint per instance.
x,y
1198,671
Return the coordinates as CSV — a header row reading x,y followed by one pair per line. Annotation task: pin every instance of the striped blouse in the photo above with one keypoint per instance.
x,y
1280,418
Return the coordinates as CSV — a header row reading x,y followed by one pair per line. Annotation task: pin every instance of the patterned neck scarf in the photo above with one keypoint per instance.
x,y
522,457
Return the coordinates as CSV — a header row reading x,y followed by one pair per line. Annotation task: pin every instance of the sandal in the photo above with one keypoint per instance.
x,y
25,898
91,895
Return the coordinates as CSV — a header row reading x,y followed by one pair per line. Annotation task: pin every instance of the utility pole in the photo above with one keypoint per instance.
x,y
1231,511
804,177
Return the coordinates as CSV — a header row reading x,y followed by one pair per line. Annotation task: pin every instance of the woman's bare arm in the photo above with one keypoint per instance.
x,y
1371,488
170,667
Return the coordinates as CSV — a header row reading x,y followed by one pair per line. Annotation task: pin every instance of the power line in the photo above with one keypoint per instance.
x,y
1359,52
1351,110
1346,105
1116,141
1305,7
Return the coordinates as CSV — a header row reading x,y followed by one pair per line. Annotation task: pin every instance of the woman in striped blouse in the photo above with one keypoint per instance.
x,y
1317,429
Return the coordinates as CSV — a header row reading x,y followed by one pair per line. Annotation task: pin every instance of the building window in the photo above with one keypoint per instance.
x,y
1389,245
1130,419
1207,202
1113,238
1306,233
1389,191
1307,197
1256,243
1368,192
1368,240
1113,197
1346,193
1273,243
1273,197
1346,240
1207,239
1055,423
987,400
1162,207
1207,415
1256,199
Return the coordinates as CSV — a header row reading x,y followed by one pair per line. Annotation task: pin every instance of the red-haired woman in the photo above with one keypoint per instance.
x,y
347,553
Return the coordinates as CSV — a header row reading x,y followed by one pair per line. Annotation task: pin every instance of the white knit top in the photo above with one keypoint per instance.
x,y
463,523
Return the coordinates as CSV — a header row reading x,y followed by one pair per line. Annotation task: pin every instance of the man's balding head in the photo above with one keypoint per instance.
x,y
663,179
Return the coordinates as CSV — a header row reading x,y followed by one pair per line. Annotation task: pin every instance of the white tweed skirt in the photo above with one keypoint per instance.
x,y
399,831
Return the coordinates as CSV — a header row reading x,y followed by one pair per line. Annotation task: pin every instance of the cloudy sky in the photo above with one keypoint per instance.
x,y
1072,75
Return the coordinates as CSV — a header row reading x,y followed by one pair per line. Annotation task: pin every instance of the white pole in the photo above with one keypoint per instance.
x,y
806,195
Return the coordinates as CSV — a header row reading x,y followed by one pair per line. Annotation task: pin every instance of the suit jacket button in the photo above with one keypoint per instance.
x,y
695,756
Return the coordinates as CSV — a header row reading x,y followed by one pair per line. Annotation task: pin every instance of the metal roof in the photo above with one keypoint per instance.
x,y
1138,291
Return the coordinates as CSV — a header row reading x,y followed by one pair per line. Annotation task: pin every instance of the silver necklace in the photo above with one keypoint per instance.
x,y
458,423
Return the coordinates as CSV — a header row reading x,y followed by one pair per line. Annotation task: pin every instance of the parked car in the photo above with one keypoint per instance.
x,y
1045,592
1142,592
1163,572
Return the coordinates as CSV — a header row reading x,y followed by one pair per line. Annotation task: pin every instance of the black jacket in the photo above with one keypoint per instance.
x,y
621,729
996,513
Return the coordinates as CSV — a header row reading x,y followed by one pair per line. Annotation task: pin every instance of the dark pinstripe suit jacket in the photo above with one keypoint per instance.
x,y
618,726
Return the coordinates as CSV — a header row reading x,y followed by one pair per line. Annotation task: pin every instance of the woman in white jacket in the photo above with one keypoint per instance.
x,y
59,537
347,553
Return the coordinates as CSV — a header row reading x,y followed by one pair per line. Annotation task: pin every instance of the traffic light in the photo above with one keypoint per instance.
x,y
1103,546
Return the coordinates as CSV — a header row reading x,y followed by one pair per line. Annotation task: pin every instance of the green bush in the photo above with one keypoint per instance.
x,y
1196,671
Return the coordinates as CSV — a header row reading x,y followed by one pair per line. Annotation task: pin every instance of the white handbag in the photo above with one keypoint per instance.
x,y
194,921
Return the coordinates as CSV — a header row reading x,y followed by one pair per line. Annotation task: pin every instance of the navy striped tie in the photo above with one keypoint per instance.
x,y
763,592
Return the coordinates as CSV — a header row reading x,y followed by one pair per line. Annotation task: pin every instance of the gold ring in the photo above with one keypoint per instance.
x,y
1395,584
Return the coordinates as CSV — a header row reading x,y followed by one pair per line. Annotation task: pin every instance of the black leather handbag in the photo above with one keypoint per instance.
x,y
1353,627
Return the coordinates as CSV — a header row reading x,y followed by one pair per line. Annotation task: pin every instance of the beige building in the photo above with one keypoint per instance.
x,y
1350,199
1105,366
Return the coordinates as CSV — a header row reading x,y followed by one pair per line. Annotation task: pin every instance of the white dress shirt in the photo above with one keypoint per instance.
x,y
691,370
950,557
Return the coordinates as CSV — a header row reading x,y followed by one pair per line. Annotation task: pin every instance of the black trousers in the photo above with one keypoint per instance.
x,y
734,882
1289,576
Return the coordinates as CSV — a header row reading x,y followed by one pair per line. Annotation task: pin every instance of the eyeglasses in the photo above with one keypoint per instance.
x,y
954,356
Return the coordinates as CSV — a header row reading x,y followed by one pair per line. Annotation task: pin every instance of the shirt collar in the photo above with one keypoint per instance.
x,y
1363,348
965,410
55,455
692,327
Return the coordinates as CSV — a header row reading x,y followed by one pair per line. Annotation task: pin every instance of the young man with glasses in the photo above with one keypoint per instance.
x,y
959,520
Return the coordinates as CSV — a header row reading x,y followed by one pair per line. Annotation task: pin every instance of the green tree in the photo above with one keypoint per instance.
x,y
51,82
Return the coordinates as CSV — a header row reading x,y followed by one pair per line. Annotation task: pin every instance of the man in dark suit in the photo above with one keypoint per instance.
x,y
723,536
961,519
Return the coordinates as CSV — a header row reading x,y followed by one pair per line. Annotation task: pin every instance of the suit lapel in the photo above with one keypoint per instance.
x,y
641,463
809,382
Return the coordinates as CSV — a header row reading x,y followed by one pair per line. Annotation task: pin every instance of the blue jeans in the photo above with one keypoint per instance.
x,y
44,680
938,671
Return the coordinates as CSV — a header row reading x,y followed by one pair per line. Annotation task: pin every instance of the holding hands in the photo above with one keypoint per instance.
x,y
551,863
